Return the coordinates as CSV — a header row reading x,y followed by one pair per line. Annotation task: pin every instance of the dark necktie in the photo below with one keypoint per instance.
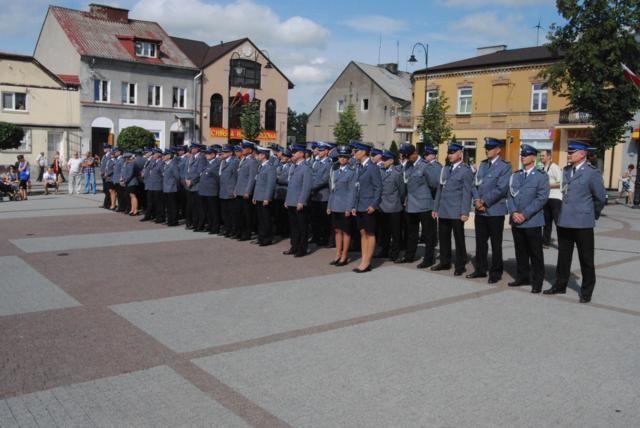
x,y
573,171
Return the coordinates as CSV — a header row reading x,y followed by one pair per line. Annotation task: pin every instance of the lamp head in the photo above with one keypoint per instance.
x,y
412,59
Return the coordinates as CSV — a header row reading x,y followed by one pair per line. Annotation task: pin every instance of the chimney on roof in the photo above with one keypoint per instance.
x,y
391,67
490,49
108,13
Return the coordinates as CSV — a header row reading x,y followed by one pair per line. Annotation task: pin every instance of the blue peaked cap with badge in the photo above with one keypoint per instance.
x,y
286,153
386,155
430,150
527,150
246,144
156,150
359,145
321,145
376,152
237,148
492,143
344,151
575,145
227,148
210,150
298,148
407,149
455,147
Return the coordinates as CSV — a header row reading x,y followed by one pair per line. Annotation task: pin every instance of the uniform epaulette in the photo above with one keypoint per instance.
x,y
592,165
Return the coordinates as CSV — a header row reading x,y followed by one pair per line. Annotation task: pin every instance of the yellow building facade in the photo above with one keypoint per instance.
x,y
500,94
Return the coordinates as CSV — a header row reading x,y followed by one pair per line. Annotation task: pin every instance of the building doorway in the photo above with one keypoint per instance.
x,y
99,137
176,139
54,144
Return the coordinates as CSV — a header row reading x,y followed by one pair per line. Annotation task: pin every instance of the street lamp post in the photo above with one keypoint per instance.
x,y
413,60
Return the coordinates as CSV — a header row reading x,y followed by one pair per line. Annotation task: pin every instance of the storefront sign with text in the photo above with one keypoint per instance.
x,y
237,134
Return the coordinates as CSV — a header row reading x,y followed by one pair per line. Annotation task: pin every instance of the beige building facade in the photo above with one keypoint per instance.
x,y
500,94
43,104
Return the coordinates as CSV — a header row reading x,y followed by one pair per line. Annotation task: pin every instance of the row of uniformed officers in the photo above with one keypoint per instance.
x,y
337,192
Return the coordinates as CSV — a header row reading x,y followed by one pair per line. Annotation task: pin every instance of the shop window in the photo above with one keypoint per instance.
x,y
215,111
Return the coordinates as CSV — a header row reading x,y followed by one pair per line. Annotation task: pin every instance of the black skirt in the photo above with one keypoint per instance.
x,y
366,222
341,222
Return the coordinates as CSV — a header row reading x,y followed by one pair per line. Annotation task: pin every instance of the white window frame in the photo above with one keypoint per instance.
x,y
175,88
126,99
362,106
467,98
155,102
25,143
146,49
340,106
432,95
101,89
542,92
13,101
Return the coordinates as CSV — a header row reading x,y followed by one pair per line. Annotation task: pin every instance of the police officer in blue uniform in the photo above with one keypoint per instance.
x,y
297,199
208,190
263,191
279,211
104,161
153,184
129,181
228,172
342,187
195,165
391,207
320,227
247,170
491,184
434,168
368,196
117,176
451,208
528,193
182,159
418,207
170,185
583,197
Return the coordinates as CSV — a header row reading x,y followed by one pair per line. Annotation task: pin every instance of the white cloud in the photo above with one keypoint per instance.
x,y
241,18
482,3
309,74
487,28
376,24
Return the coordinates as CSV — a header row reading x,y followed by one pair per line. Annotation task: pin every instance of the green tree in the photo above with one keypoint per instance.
x,y
250,120
598,36
393,148
297,125
347,127
434,125
10,136
135,138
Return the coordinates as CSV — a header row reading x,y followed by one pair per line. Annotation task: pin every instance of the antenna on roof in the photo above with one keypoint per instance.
x,y
398,52
379,48
538,28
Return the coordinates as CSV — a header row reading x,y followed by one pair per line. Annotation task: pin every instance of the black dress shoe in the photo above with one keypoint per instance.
x,y
289,252
404,260
536,290
172,224
555,290
476,274
459,272
367,269
425,264
381,255
300,254
440,266
334,262
518,283
244,238
146,219
265,244
159,220
493,280
343,263
585,299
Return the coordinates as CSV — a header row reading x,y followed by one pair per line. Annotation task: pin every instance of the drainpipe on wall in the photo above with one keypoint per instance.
x,y
195,109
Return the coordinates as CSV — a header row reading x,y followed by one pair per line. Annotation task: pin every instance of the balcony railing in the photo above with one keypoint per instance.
x,y
568,116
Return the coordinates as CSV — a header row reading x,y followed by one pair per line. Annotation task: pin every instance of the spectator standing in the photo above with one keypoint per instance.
x,y
50,181
42,163
75,173
58,165
627,183
24,174
89,172
552,207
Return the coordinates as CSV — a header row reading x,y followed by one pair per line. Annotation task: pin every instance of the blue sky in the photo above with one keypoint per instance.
x,y
313,41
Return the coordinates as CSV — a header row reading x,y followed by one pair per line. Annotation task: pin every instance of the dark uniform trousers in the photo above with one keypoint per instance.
x,y
211,208
154,205
445,227
123,198
181,201
244,215
194,209
263,215
529,255
551,214
106,185
170,203
428,234
143,198
583,239
390,233
281,217
320,222
298,228
227,210
489,228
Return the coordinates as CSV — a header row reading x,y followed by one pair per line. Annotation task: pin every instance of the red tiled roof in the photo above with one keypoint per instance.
x,y
70,79
102,37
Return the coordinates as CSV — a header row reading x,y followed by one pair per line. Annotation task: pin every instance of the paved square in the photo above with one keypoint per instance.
x,y
534,362
197,321
151,398
23,289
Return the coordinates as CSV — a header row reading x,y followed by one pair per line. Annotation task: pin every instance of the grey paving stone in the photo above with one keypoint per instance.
x,y
507,359
23,289
149,398
100,240
198,321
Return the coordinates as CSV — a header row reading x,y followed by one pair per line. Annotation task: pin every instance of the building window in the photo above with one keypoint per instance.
x,y
270,115
155,96
147,49
340,106
14,101
432,96
245,73
539,94
469,153
464,101
179,98
25,143
129,93
215,111
364,104
101,91
236,112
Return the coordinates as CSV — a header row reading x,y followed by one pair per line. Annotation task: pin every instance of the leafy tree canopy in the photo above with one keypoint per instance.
x,y
135,138
347,127
10,136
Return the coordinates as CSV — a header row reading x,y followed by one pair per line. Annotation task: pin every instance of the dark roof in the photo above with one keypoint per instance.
x,y
103,37
532,55
203,55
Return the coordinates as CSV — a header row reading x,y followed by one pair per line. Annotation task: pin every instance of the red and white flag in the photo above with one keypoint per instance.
x,y
634,78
